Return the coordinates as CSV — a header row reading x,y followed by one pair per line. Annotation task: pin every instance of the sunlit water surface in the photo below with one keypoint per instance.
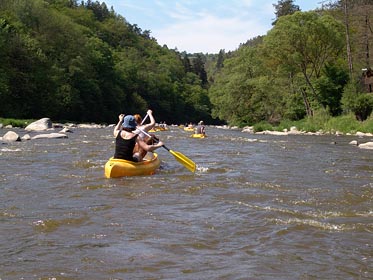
x,y
258,207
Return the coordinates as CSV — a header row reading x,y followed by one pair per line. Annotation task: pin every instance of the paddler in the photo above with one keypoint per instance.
x,y
126,139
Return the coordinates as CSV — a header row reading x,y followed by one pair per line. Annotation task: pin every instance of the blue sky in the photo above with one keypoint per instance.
x,y
202,25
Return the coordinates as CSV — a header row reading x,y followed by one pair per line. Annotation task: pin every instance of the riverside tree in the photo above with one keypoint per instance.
x,y
304,43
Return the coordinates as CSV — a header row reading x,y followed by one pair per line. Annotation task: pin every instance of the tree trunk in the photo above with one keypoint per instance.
x,y
367,64
306,103
348,43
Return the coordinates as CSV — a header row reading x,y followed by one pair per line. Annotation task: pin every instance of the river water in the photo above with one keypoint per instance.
x,y
258,207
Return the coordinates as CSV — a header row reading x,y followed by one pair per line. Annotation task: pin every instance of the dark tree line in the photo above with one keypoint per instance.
x,y
80,61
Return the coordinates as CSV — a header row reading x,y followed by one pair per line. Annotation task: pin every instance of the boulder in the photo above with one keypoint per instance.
x,y
367,145
66,129
26,137
39,125
11,136
354,142
362,134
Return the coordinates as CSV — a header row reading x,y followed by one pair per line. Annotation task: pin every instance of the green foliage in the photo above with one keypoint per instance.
x,y
367,125
80,61
345,124
323,122
283,8
16,122
76,60
312,124
292,42
330,88
361,104
265,82
262,126
309,124
303,43
294,109
235,93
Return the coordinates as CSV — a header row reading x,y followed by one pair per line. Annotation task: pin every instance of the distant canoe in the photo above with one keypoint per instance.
x,y
188,128
119,167
198,135
158,128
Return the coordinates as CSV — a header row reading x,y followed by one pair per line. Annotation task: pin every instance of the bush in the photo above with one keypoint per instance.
x,y
284,124
367,126
345,124
309,125
361,104
315,123
262,126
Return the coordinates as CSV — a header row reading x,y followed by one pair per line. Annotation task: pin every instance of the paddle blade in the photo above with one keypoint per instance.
x,y
188,163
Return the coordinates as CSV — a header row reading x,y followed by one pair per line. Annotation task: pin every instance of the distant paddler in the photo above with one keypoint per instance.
x,y
190,127
200,129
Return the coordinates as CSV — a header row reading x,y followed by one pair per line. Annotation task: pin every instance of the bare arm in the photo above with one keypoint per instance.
x,y
118,127
146,147
150,125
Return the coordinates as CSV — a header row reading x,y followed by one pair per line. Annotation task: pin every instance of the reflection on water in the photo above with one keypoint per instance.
x,y
258,207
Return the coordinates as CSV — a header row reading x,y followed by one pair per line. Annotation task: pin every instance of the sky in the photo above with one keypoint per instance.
x,y
203,26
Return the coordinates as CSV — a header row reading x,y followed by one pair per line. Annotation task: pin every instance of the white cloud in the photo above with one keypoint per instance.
x,y
196,26
201,25
208,34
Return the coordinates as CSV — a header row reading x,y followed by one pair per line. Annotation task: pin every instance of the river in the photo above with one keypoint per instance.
x,y
258,207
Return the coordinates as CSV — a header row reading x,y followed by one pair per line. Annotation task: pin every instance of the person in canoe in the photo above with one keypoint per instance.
x,y
141,128
200,129
144,127
126,139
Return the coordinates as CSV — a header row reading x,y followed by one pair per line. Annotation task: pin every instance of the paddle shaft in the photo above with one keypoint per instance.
x,y
147,134
188,163
143,120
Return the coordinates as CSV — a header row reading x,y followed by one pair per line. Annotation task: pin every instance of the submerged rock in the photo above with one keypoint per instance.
x,y
50,136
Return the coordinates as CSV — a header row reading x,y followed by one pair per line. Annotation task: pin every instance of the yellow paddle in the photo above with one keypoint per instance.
x,y
188,163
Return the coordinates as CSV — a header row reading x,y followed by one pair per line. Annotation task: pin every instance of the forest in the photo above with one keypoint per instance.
x,y
310,65
83,62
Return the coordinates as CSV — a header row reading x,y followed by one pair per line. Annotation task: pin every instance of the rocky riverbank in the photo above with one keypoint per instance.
x,y
360,142
44,129
48,129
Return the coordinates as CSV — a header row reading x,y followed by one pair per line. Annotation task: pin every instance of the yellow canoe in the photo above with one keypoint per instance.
x,y
156,129
188,128
197,135
119,167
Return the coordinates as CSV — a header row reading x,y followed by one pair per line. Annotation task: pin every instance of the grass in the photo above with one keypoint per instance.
x,y
322,122
16,122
